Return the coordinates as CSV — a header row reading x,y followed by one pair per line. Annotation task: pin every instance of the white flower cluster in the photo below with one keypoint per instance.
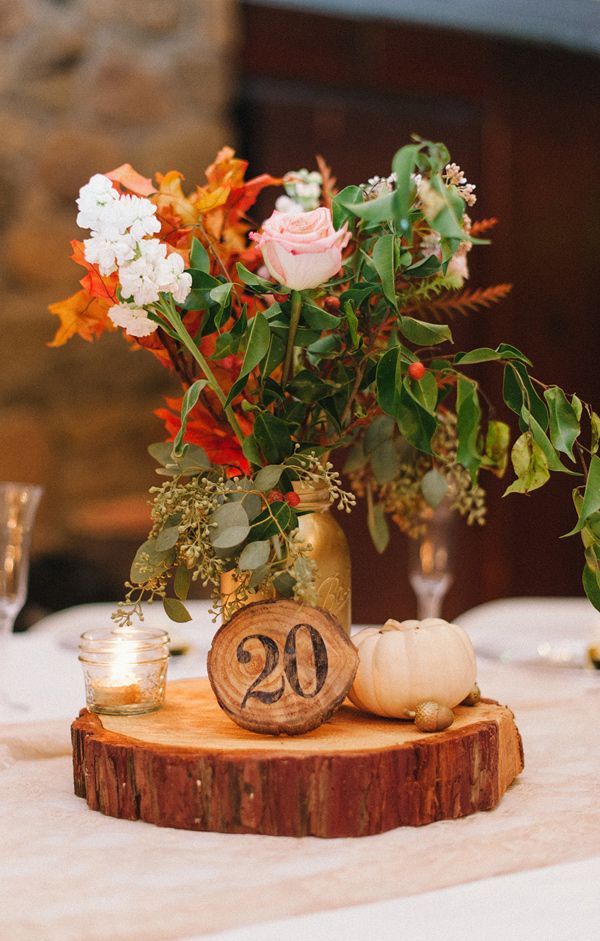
x,y
120,229
303,188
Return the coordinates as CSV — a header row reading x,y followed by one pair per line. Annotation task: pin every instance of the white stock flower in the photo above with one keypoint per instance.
x,y
133,319
139,216
95,198
172,279
109,248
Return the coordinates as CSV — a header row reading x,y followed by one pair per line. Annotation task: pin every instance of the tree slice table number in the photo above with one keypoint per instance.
x,y
281,667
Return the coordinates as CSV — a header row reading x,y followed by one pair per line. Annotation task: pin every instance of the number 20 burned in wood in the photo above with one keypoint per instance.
x,y
281,667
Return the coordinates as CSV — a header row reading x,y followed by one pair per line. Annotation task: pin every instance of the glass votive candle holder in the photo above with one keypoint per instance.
x,y
125,670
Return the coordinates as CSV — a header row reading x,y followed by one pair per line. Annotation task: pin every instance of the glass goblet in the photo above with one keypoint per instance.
x,y
429,569
18,505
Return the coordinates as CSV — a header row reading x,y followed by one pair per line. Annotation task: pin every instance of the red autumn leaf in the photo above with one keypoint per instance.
x,y
207,431
96,284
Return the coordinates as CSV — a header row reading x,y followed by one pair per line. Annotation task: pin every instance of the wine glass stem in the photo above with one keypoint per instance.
x,y
429,604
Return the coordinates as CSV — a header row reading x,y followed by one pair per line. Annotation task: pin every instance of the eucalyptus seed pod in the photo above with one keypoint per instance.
x,y
473,697
432,717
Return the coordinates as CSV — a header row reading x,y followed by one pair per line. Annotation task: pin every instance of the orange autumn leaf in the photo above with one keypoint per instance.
x,y
80,314
132,180
188,208
206,200
227,169
96,284
170,194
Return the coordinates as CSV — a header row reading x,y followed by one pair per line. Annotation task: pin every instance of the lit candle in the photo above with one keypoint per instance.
x,y
124,669
120,687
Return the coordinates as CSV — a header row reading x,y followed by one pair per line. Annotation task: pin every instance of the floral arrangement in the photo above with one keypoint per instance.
x,y
329,327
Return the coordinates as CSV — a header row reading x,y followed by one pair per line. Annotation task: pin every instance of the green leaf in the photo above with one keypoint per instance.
x,y
284,584
278,518
167,538
434,488
257,347
308,387
230,526
518,391
273,437
577,406
417,425
482,355
389,380
341,212
595,426
552,458
319,319
591,585
194,460
356,458
182,582
149,562
591,496
251,452
237,388
374,210
176,610
403,165
352,321
385,462
253,281
268,477
446,212
190,399
274,357
199,257
497,440
377,524
383,259
564,422
530,465
424,391
381,429
253,555
468,413
422,333
162,452
424,268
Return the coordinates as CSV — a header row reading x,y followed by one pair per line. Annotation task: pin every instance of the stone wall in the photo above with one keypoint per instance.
x,y
86,85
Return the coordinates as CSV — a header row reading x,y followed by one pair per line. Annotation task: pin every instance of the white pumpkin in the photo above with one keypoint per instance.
x,y
405,663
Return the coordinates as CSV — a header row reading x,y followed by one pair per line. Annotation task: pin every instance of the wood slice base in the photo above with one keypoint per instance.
x,y
189,766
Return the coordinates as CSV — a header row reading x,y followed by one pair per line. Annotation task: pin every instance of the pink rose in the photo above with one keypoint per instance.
x,y
303,250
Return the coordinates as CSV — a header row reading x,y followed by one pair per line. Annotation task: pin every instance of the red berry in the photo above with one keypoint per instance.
x,y
332,304
275,496
416,371
292,499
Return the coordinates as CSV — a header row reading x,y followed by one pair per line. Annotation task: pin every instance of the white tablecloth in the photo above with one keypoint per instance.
x,y
527,870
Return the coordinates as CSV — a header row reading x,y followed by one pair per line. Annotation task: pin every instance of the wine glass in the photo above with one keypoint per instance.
x,y
429,569
18,505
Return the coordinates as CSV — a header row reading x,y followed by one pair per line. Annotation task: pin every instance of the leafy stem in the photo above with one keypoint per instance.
x,y
174,318
296,307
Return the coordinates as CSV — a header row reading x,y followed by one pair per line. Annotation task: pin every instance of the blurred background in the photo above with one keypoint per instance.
x,y
85,85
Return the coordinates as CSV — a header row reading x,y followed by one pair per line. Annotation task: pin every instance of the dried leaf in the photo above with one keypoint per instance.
x,y
80,314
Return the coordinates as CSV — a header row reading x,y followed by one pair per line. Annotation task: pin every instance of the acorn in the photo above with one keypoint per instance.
x,y
432,717
473,696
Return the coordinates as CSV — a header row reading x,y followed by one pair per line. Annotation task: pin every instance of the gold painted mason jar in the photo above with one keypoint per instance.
x,y
329,550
